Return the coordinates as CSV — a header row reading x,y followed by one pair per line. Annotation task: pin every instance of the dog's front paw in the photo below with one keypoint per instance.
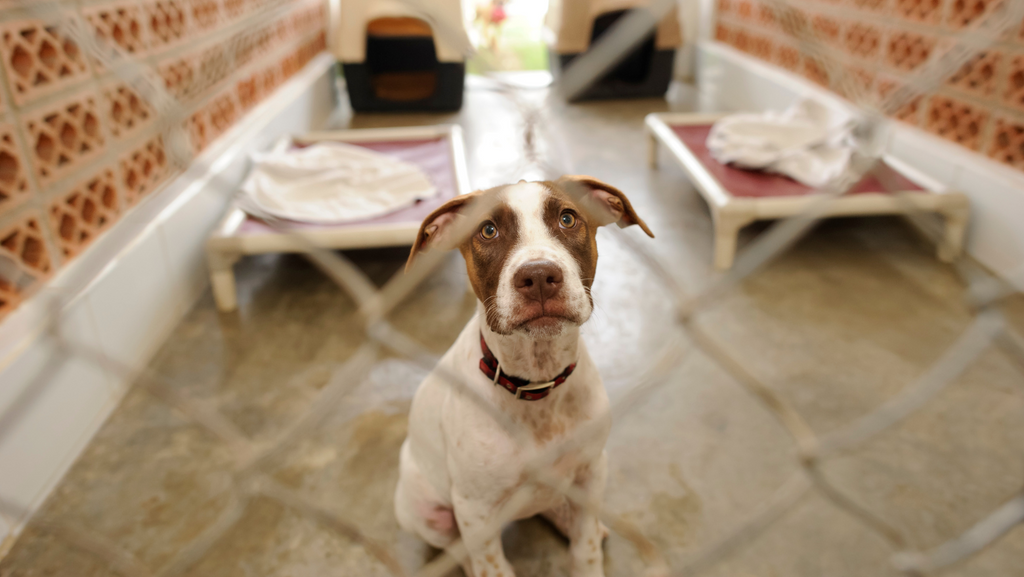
x,y
590,570
587,558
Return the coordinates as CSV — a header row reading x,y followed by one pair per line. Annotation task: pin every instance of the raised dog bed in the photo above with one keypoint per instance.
x,y
437,150
739,197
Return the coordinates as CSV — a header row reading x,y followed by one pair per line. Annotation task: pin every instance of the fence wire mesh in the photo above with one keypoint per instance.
x,y
543,153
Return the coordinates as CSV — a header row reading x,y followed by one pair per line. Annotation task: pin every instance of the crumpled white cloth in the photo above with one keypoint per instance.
x,y
331,183
807,142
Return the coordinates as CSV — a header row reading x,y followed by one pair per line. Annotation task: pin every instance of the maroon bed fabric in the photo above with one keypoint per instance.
x,y
434,158
755,184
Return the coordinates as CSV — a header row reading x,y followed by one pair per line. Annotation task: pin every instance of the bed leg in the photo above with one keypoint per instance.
x,y
727,230
222,277
652,150
952,242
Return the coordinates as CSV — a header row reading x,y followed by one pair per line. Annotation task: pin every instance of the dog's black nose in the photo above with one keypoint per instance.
x,y
538,280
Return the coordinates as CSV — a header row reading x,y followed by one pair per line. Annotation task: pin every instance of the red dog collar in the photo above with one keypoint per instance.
x,y
521,388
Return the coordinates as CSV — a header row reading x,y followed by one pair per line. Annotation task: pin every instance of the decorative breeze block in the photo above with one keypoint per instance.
x,y
223,113
291,64
179,75
249,92
143,170
167,22
78,217
815,71
723,33
38,60
270,77
234,8
214,66
1014,94
65,136
963,13
863,40
766,17
761,47
908,50
283,30
248,46
22,244
121,24
745,9
14,187
788,57
925,11
909,112
957,121
741,40
827,29
1008,143
205,13
127,112
200,134
873,5
308,19
979,74
9,297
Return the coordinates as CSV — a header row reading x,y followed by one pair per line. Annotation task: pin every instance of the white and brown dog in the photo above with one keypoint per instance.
x,y
531,263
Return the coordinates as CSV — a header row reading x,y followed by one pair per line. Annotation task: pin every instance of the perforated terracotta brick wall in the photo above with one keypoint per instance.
x,y
79,216
142,170
64,136
80,147
121,24
14,186
981,107
22,245
38,59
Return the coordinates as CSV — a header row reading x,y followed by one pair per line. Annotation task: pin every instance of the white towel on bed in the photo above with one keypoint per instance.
x,y
331,183
807,142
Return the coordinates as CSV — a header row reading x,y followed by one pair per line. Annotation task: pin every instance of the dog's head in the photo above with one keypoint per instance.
x,y
531,257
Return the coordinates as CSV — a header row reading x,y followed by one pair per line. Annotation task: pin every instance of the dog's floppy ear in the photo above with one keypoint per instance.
x,y
433,231
610,202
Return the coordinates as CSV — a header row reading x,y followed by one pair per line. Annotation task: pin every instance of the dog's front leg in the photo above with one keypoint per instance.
x,y
585,531
483,543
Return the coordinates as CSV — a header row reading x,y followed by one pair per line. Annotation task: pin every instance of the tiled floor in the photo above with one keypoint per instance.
x,y
837,325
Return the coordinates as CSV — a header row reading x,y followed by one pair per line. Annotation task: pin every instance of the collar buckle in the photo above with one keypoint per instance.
x,y
533,387
518,386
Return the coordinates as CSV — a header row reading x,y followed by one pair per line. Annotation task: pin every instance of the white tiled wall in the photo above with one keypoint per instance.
x,y
153,269
59,400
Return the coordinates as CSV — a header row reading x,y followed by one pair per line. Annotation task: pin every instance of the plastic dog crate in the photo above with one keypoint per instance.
x,y
645,72
394,59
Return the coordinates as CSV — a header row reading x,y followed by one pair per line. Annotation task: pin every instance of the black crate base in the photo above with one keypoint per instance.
x,y
655,82
447,96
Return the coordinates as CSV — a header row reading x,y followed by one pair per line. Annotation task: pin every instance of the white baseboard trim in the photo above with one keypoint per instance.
x,y
730,80
120,300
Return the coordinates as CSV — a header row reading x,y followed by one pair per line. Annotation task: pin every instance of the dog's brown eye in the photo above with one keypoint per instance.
x,y
489,231
567,220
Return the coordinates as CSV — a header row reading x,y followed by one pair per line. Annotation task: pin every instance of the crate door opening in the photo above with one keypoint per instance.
x,y
394,60
401,60
645,71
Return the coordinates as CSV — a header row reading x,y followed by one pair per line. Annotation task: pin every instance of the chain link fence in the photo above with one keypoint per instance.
x,y
543,152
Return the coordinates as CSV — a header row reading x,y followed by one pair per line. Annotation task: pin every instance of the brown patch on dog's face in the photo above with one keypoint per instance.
x,y
580,239
485,257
